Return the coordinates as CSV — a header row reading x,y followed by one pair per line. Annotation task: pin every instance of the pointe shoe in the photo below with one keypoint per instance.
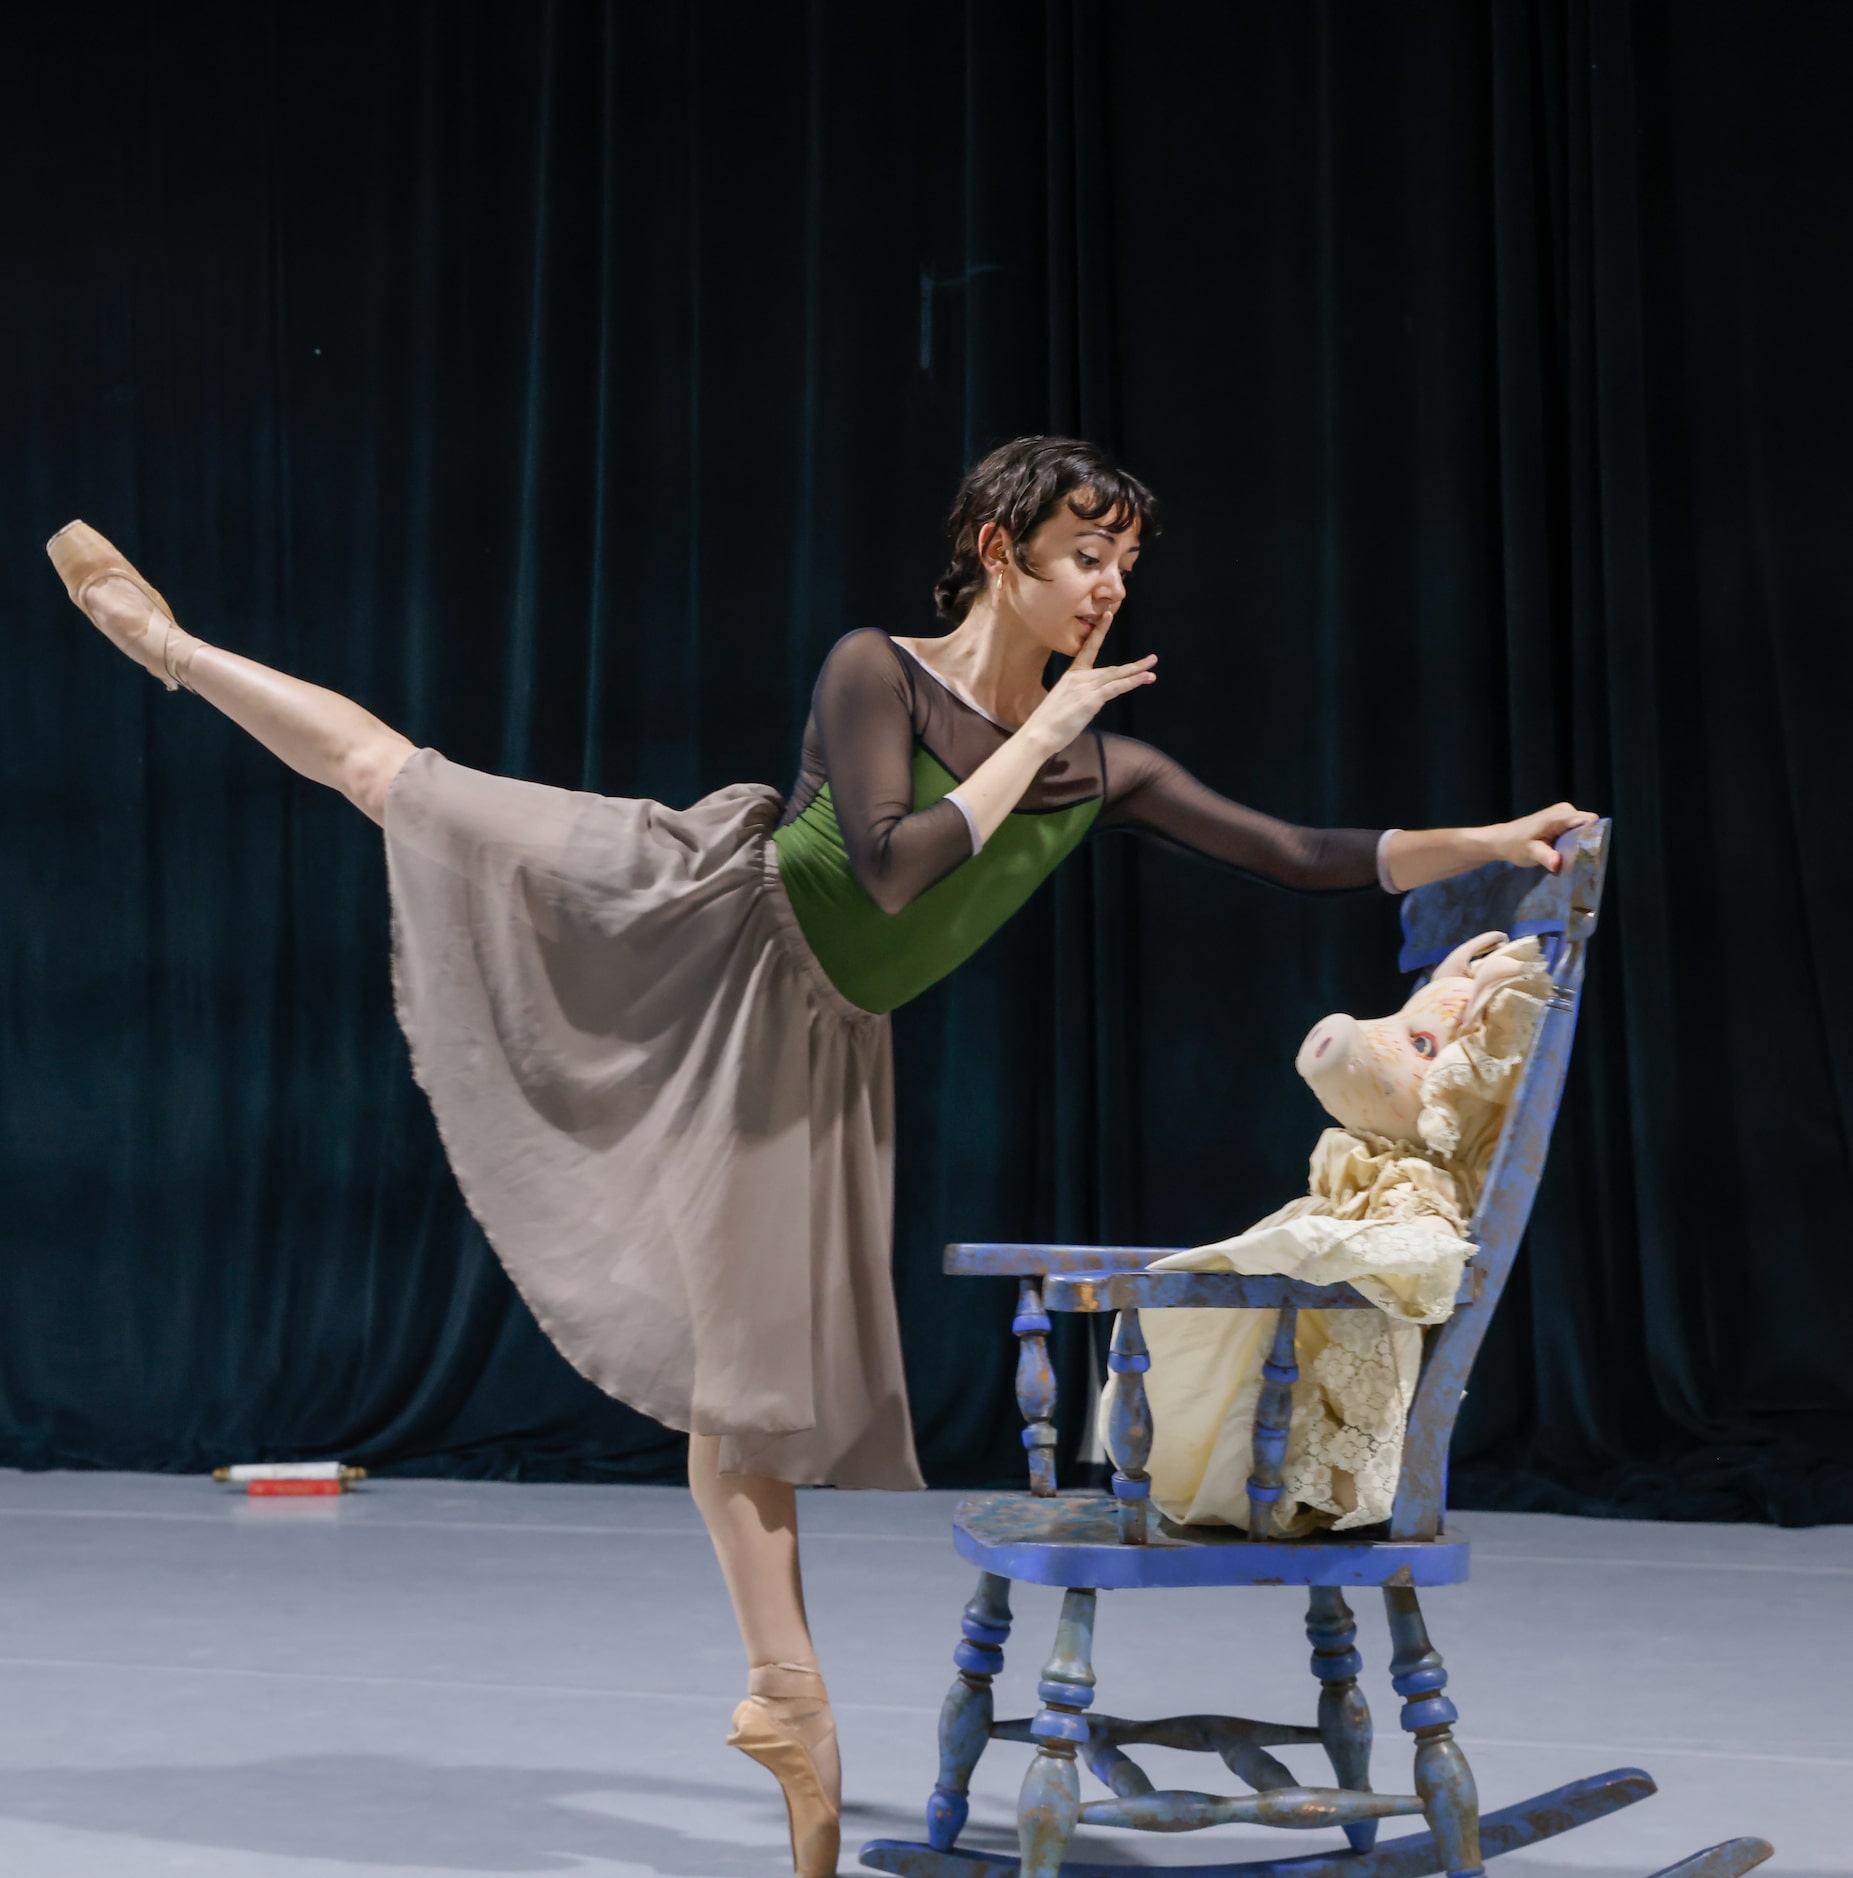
x,y
82,558
788,1746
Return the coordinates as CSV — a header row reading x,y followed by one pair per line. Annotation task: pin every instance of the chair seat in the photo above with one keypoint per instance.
x,y
1074,1540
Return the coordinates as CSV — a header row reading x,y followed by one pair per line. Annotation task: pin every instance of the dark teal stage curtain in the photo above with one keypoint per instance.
x,y
561,380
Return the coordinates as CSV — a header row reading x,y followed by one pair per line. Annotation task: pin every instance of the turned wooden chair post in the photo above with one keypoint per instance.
x,y
1273,1424
1035,1385
1344,1714
1450,1799
1050,1804
966,1716
1131,1426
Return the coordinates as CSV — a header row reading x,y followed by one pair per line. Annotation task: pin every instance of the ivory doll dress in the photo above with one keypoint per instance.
x,y
657,1046
1389,1218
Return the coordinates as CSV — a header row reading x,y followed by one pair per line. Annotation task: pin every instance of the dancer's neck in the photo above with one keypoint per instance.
x,y
992,659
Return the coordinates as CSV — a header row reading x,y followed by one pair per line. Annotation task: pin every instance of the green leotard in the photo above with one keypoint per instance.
x,y
879,857
879,960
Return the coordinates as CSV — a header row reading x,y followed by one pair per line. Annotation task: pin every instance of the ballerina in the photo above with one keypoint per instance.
x,y
656,1040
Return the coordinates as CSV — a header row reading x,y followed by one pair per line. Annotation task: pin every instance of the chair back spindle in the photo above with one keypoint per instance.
x,y
1035,1386
1130,1424
1273,1424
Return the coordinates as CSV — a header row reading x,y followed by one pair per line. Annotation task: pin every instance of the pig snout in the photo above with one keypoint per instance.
x,y
1329,1050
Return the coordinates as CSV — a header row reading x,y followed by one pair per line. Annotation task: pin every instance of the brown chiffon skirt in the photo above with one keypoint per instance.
x,y
676,1133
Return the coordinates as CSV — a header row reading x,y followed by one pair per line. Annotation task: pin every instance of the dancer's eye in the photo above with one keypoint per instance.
x,y
1087,560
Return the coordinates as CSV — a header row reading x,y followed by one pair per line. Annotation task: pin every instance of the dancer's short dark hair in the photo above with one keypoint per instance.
x,y
1018,486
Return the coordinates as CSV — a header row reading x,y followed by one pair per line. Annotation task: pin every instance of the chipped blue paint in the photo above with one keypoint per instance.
x,y
1344,1715
1194,1734
1299,1809
1008,1260
1450,1800
1510,1829
1106,1290
1050,1803
1035,1386
1513,900
1730,1860
1273,1424
1075,1540
965,1718
1131,1428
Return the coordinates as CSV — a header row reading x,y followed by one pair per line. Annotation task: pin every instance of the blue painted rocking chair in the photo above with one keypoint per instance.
x,y
1088,1542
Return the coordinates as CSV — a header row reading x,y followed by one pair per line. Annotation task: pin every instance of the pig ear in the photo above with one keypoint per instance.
x,y
1493,975
1457,963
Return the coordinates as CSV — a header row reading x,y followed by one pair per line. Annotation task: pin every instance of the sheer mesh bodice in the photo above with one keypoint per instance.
x,y
876,705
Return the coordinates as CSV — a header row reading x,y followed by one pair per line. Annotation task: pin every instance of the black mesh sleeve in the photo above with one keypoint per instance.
x,y
863,711
1147,792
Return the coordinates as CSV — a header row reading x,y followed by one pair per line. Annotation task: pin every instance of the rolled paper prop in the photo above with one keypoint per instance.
x,y
290,1479
288,1470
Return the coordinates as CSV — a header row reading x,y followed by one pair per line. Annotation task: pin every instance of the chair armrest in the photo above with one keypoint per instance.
x,y
1030,1265
1108,1290
1037,1261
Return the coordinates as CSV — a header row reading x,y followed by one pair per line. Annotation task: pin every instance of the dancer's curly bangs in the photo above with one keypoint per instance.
x,y
1018,486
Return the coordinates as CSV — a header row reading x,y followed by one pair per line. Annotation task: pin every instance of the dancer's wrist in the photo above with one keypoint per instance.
x,y
1038,739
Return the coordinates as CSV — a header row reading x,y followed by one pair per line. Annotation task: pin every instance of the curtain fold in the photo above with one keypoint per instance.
x,y
562,381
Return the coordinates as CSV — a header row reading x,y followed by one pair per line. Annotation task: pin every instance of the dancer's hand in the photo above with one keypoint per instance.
x,y
1527,841
1414,857
1076,698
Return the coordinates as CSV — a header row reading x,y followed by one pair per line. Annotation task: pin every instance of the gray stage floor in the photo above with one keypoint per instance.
x,y
438,1679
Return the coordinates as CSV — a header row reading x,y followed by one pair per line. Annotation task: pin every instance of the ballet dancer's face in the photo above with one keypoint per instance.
x,y
1079,583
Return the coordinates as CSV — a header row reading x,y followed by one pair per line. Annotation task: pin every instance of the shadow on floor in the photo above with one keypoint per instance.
x,y
371,1810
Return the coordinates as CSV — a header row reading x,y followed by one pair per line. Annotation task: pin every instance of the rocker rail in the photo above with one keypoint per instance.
x,y
1415,1855
1511,1829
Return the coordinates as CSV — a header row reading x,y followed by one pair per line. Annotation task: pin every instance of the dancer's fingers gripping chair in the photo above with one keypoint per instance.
x,y
1086,1543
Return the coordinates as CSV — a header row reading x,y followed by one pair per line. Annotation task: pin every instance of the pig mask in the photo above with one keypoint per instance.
x,y
1368,1075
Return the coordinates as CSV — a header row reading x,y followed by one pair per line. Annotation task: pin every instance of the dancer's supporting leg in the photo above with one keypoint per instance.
x,y
785,1722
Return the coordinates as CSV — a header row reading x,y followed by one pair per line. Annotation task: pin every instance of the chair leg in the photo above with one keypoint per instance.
x,y
1450,1801
1050,1802
965,1716
1344,1715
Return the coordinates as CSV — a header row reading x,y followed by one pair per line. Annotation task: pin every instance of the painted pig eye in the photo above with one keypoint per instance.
x,y
1423,1043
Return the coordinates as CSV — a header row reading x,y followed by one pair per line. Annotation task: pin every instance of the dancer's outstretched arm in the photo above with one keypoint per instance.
x,y
318,733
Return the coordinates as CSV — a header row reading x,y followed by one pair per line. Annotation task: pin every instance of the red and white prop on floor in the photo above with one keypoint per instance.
x,y
290,1479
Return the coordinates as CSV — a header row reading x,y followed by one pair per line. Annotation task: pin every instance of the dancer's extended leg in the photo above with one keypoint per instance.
x,y
785,1722
318,733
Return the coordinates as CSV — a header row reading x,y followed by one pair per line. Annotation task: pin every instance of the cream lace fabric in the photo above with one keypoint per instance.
x,y
1388,1217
